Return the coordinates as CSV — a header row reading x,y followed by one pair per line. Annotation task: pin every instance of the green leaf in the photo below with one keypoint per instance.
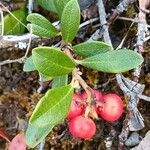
x,y
50,110
114,61
12,26
92,48
52,61
47,4
59,5
29,65
41,26
70,20
44,77
60,81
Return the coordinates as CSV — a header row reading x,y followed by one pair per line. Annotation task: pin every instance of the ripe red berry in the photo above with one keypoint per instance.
x,y
98,99
76,108
98,95
112,107
82,127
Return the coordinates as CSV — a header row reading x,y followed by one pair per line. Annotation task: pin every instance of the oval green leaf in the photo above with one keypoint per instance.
x,y
47,4
59,5
91,48
114,61
44,77
70,20
50,110
52,61
41,26
12,26
29,65
60,81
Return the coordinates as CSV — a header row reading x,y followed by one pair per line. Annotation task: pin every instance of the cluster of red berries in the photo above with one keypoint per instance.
x,y
109,107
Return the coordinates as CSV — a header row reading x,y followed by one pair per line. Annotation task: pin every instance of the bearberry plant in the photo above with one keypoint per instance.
x,y
57,63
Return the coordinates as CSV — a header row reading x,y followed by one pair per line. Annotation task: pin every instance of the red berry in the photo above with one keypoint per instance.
x,y
82,127
98,95
76,108
112,107
98,99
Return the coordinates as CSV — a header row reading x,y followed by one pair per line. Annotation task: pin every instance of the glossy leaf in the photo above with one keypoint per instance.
x,y
60,81
70,20
50,110
47,4
59,5
12,26
18,142
51,61
114,61
41,26
29,65
92,48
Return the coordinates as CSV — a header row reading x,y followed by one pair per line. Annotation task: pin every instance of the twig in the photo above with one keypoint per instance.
x,y
90,111
95,36
76,76
30,6
21,38
133,20
121,44
19,60
147,38
29,43
129,123
134,119
98,33
102,16
9,42
2,22
123,5
41,145
88,22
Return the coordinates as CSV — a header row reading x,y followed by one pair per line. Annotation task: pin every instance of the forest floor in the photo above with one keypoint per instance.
x,y
18,98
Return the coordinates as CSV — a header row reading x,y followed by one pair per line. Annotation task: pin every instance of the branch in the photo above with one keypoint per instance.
x,y
19,60
11,42
76,77
134,118
2,22
123,5
102,17
22,59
